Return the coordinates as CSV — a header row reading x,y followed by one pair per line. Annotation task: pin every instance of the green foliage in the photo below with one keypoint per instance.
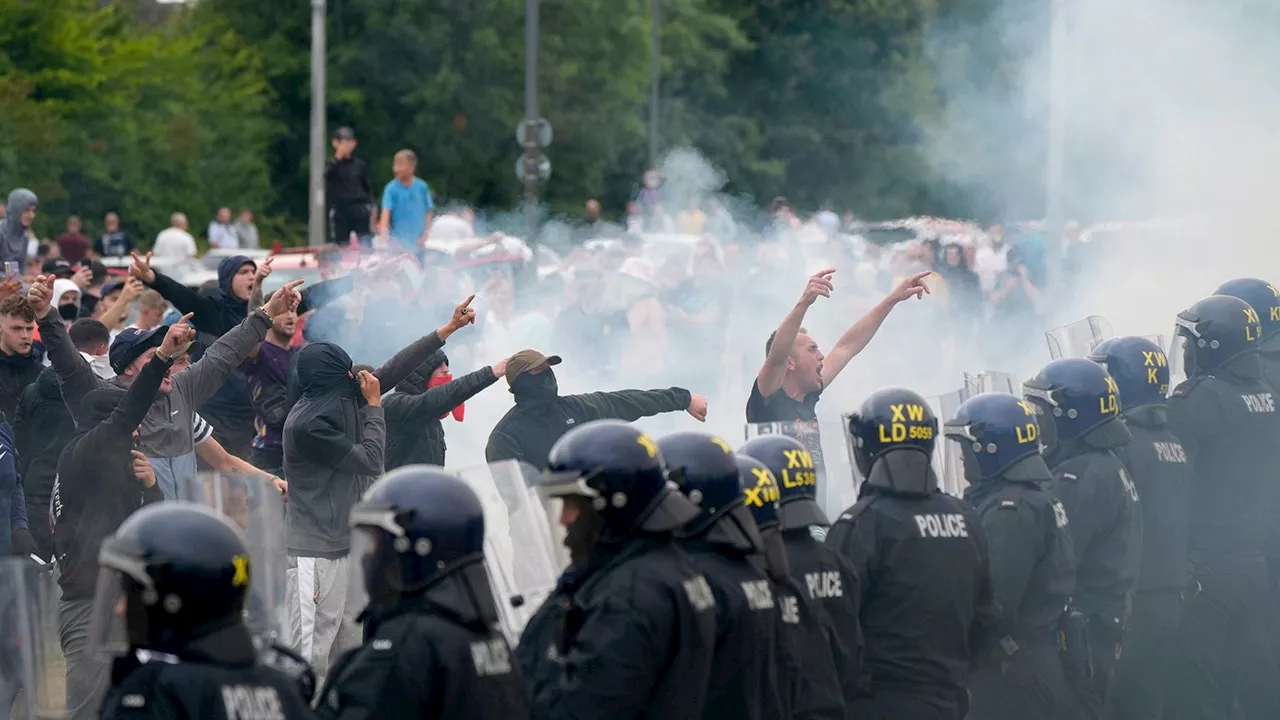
x,y
99,112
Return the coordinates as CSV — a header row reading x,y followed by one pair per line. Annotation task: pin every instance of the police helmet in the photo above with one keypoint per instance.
x,y
793,467
182,571
1073,396
892,436
995,432
1261,295
1213,332
704,468
621,470
415,526
1138,366
759,491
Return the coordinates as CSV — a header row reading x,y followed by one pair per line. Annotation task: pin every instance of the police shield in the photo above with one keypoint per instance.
x,y
522,554
255,506
837,484
32,668
947,461
1078,339
990,381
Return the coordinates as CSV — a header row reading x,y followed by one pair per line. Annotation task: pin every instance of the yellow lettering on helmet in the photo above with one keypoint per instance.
x,y
1111,385
1027,433
1161,359
722,445
1273,290
1275,313
765,491
915,412
241,577
1151,376
798,459
897,413
1026,407
1108,405
647,443
1149,358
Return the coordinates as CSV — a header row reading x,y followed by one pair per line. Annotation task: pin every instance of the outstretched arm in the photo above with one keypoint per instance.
x,y
769,379
856,337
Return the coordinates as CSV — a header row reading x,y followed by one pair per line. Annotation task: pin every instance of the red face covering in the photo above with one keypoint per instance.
x,y
437,381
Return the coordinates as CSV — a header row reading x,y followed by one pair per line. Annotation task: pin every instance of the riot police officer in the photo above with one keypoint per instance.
x,y
1078,404
720,541
811,686
431,648
827,579
1158,465
179,573
927,602
639,632
1225,415
1032,563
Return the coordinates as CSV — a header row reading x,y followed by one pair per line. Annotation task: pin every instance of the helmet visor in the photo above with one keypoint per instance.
x,y
1181,350
113,624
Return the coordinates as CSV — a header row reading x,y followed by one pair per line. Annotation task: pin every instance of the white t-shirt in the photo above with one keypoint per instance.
x,y
990,265
174,243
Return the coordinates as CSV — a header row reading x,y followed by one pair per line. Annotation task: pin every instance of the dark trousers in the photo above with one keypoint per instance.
x,y
344,221
1032,684
1138,688
38,523
1223,651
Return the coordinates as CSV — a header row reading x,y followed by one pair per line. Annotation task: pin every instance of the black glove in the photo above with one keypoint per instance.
x,y
23,544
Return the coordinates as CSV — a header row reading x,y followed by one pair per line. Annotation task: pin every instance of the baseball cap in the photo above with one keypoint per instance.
x,y
57,266
131,343
344,133
527,360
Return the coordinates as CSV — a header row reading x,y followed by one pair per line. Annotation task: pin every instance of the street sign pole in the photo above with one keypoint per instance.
x,y
316,214
531,115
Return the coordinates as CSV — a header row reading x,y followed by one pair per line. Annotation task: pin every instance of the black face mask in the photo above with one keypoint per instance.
x,y
69,312
541,386
581,537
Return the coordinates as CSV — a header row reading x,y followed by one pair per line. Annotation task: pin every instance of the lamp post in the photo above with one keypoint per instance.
x,y
315,190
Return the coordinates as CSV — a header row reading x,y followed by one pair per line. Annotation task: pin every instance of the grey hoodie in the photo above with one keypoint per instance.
x,y
13,236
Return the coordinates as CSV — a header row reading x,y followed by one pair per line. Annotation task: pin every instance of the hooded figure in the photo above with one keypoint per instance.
x,y
70,309
42,428
215,312
415,411
13,234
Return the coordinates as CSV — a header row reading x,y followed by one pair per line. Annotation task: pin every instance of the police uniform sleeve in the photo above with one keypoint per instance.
x,y
614,659
1194,415
853,537
1013,545
985,631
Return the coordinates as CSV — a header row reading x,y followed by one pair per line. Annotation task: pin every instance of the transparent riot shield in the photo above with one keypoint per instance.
x,y
991,381
522,554
1078,339
256,507
837,488
947,461
32,669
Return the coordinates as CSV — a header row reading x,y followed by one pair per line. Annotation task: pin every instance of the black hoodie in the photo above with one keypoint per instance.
x,y
16,373
42,428
415,434
334,444
96,489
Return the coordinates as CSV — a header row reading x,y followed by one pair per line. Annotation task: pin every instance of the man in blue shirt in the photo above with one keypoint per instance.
x,y
406,206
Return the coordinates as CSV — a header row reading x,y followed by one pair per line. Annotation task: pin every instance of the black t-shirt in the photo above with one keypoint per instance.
x,y
780,407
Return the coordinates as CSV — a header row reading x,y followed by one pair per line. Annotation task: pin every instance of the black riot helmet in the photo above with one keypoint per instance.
x,y
1138,366
999,436
416,527
704,468
892,436
1212,333
759,491
181,569
621,470
793,467
1262,296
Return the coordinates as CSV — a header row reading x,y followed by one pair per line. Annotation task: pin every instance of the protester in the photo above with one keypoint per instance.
x,y
166,435
229,410
152,308
334,446
92,278
541,415
795,372
67,295
113,242
221,233
406,206
246,231
42,427
20,363
267,371
15,533
174,242
348,191
101,480
416,408
20,213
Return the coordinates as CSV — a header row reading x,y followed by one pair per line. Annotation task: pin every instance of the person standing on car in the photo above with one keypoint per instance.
x,y
541,415
101,480
229,411
334,447
1032,561
348,192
